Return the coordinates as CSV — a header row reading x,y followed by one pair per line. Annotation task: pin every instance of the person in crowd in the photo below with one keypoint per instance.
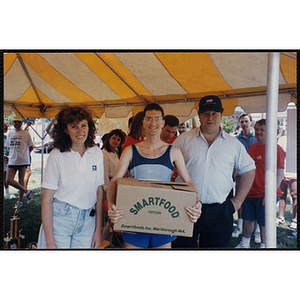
x,y
50,144
158,160
238,130
72,201
253,207
137,132
169,131
289,182
103,139
168,135
183,127
111,149
247,138
130,122
5,159
210,156
19,144
28,168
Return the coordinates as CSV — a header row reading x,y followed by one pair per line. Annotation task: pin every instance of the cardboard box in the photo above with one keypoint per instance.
x,y
154,206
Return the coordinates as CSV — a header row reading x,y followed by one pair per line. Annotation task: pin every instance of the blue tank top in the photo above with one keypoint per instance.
x,y
147,168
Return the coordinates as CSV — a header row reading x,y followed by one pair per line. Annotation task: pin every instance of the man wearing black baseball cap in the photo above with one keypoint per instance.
x,y
210,103
210,155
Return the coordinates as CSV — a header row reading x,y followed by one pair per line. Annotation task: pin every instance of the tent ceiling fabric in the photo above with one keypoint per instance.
x,y
117,85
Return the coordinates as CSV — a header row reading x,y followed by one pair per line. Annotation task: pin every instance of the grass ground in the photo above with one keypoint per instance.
x,y
30,217
282,232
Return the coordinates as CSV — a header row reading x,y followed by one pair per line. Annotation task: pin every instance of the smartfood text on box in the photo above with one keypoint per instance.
x,y
154,206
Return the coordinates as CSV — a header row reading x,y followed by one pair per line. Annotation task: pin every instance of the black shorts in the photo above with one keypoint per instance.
x,y
17,167
214,226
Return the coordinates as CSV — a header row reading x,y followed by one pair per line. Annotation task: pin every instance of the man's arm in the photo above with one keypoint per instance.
x,y
28,124
246,182
113,212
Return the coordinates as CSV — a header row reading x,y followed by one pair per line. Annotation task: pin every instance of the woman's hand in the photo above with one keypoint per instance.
x,y
96,243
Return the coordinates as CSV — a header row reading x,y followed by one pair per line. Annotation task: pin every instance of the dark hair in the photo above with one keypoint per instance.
x,y
261,122
154,106
104,137
171,120
245,115
185,123
136,125
119,133
68,115
130,120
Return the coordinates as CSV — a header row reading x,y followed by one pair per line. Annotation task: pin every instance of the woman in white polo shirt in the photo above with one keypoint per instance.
x,y
72,187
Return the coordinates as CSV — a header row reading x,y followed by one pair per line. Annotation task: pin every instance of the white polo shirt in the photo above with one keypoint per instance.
x,y
75,179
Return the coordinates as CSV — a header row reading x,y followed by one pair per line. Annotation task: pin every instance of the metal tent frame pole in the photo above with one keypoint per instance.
x,y
42,158
271,149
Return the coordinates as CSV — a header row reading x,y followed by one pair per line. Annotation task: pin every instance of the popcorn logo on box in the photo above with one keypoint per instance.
x,y
158,202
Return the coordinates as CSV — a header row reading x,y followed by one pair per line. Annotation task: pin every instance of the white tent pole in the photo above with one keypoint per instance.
x,y
42,158
271,149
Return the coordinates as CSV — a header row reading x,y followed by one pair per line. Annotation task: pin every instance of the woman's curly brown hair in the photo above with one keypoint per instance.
x,y
69,115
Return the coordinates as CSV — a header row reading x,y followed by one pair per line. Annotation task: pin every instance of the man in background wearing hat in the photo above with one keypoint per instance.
x,y
210,155
20,144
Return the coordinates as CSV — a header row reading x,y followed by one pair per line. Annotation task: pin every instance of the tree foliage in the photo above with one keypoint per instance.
x,y
33,120
227,124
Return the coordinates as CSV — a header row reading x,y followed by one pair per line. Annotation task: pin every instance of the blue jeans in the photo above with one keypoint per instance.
x,y
72,227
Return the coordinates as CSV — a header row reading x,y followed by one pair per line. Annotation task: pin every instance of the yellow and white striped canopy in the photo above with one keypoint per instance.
x,y
118,85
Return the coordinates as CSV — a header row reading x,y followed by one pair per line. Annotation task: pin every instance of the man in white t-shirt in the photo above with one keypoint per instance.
x,y
19,144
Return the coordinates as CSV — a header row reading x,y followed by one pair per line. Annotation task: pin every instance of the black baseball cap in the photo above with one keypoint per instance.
x,y
210,102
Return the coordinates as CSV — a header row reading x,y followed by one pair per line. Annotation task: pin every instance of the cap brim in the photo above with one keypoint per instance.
x,y
211,109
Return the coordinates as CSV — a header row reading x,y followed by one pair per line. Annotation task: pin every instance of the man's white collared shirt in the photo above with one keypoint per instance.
x,y
211,167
